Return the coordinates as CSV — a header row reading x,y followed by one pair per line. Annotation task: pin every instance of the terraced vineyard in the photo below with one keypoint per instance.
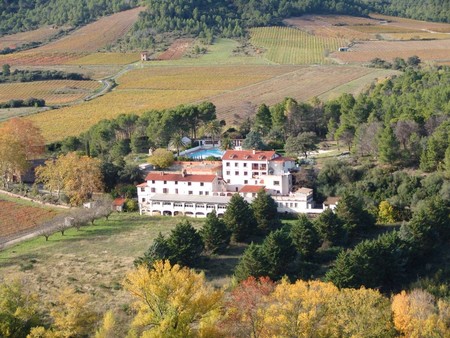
x,y
53,92
286,45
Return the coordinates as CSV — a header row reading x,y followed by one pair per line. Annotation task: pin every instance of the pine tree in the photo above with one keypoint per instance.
x,y
185,244
388,146
158,250
329,227
252,263
263,119
239,218
278,251
304,237
265,210
215,235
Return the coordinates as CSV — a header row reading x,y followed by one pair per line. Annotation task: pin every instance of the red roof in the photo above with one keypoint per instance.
x,y
251,188
142,185
283,159
248,155
119,201
161,176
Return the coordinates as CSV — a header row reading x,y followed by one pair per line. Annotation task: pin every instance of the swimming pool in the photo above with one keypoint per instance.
x,y
204,153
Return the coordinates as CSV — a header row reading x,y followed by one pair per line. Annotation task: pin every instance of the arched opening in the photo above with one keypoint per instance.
x,y
220,215
189,214
167,213
156,213
178,213
199,214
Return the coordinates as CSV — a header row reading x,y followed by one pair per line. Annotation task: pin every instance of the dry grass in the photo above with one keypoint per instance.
x,y
176,50
53,92
416,36
379,29
38,35
96,35
413,24
435,50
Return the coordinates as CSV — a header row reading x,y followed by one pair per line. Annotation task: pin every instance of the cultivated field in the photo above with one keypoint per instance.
x,y
434,50
17,216
199,78
38,35
302,84
291,46
53,92
96,35
176,50
35,58
106,59
374,28
9,113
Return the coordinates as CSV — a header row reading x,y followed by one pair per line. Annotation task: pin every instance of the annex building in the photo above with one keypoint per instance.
x,y
243,172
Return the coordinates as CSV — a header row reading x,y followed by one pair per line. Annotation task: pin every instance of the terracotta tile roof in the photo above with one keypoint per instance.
x,y
331,200
161,176
247,155
118,202
251,188
142,185
283,159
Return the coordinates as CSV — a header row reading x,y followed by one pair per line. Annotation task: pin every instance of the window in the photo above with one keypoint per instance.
x,y
236,173
190,192
153,190
206,193
143,199
201,193
245,181
236,164
276,182
189,183
245,173
142,189
165,182
176,182
176,191
245,165
228,173
153,181
227,164
228,180
165,191
202,184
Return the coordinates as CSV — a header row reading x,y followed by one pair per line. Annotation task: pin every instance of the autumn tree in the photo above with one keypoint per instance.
x,y
12,159
81,176
161,158
172,301
215,234
386,213
19,309
108,327
246,307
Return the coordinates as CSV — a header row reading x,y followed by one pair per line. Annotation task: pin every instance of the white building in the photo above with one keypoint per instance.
x,y
243,171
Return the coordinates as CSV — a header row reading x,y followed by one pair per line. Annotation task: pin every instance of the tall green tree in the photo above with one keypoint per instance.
x,y
185,244
388,146
252,263
215,234
263,119
278,251
301,144
304,237
239,218
330,228
265,210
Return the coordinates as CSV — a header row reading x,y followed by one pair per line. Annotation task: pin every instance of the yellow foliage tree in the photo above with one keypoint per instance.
x,y
27,135
172,301
386,212
418,314
81,176
107,330
161,158
12,158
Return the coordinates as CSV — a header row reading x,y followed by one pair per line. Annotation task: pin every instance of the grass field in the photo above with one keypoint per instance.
x,y
291,46
95,259
17,215
53,92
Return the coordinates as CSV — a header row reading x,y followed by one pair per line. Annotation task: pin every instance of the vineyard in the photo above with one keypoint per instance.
x,y
199,78
433,50
34,58
291,46
15,217
302,84
53,92
96,35
16,40
106,59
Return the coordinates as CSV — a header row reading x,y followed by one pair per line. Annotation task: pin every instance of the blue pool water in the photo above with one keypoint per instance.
x,y
204,153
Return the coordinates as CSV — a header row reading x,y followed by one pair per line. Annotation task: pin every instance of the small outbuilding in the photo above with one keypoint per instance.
x,y
118,204
145,56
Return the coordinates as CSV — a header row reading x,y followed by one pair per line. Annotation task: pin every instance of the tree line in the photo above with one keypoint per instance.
x,y
18,75
169,300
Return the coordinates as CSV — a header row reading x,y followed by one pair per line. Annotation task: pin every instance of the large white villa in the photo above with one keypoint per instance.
x,y
243,172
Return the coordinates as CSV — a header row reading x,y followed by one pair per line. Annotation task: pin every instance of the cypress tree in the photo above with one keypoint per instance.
x,y
239,218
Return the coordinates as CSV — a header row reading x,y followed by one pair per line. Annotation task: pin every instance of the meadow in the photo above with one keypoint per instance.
x,y
286,45
53,92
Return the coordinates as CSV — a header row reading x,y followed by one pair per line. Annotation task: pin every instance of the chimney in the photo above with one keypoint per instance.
x,y
254,151
183,173
162,173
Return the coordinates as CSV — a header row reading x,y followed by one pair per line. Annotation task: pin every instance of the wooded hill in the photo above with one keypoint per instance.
x,y
25,15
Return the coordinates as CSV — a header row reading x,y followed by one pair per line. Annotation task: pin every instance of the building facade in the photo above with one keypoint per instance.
x,y
243,171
